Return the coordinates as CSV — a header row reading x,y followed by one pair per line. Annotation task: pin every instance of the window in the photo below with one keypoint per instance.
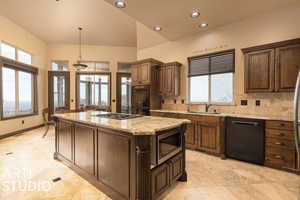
x,y
94,89
14,53
60,65
97,66
17,92
211,78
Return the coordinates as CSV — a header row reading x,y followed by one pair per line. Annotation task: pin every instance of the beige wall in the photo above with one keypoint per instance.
x,y
17,36
92,53
271,27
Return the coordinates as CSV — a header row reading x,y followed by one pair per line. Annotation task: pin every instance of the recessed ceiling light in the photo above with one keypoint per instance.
x,y
157,28
203,25
120,4
195,14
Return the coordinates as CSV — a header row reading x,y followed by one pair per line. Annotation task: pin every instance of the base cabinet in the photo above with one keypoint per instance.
x,y
166,174
205,133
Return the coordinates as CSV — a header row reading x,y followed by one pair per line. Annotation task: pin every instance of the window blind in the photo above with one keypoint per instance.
x,y
212,64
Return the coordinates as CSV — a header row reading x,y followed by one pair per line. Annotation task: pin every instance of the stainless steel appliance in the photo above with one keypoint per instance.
x,y
296,117
245,139
165,145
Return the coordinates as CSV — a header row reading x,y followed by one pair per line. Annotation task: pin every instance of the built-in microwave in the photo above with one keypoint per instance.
x,y
165,145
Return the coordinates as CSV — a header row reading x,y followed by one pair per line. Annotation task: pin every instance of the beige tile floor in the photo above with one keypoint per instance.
x,y
27,174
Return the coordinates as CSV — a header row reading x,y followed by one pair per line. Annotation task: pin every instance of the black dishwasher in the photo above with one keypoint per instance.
x,y
245,139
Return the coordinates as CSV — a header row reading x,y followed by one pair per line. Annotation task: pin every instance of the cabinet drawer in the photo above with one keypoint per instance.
x,y
280,125
280,143
280,134
280,157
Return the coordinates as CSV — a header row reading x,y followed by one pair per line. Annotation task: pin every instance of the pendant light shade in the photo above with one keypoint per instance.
x,y
79,65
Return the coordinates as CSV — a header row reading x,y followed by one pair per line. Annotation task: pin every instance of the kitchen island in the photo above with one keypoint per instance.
x,y
125,156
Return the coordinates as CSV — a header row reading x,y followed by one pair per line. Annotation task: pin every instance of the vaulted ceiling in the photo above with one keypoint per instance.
x,y
57,22
174,15
104,24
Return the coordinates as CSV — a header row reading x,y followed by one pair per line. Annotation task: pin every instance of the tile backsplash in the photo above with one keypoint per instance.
x,y
280,104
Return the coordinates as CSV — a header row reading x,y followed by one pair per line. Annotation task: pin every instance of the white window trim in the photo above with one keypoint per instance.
x,y
16,52
233,103
52,61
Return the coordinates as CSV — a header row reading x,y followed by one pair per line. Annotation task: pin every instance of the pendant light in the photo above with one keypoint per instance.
x,y
79,65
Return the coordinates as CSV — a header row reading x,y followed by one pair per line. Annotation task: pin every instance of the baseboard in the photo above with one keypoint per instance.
x,y
19,131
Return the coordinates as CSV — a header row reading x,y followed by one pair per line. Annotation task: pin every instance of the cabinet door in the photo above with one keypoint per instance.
x,y
161,80
84,152
160,180
65,139
144,73
259,71
135,74
209,138
169,80
287,68
190,139
176,167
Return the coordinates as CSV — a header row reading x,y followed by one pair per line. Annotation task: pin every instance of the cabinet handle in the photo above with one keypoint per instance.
x,y
279,134
279,143
280,125
277,157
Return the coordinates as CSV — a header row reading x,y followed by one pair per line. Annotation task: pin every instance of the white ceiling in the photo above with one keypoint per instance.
x,y
174,15
57,22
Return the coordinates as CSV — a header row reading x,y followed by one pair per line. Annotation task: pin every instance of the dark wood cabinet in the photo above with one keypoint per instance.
x,y
165,175
65,139
170,79
190,139
272,67
84,155
280,151
145,72
287,67
259,71
160,180
205,133
207,137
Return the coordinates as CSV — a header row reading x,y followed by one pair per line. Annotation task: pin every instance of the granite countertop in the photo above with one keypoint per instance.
x,y
241,115
145,125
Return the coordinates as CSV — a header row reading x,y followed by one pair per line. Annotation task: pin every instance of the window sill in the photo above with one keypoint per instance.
x,y
19,116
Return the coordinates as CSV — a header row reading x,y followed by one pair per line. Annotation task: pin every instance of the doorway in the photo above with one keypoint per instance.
x,y
123,93
58,91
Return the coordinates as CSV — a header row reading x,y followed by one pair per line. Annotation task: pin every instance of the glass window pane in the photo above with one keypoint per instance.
x,y
82,93
25,92
9,91
104,95
24,57
222,87
199,89
96,94
60,65
8,51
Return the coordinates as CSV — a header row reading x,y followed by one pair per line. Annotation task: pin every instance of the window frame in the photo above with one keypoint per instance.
x,y
233,102
78,87
17,49
19,67
94,69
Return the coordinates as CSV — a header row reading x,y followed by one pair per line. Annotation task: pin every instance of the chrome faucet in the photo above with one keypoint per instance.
x,y
207,106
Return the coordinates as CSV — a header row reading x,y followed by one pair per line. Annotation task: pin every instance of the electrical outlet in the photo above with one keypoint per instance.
x,y
257,102
244,102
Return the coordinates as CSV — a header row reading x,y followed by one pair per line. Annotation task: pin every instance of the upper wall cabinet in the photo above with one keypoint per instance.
x,y
144,72
169,82
272,67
